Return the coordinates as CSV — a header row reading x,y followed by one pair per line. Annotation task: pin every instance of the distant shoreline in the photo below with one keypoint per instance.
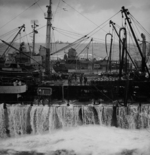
x,y
99,49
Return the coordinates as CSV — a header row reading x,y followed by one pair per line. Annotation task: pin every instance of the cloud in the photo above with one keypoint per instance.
x,y
22,3
115,5
87,6
96,10
98,5
24,8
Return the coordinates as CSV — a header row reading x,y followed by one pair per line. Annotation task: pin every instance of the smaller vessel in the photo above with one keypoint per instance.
x,y
10,91
13,89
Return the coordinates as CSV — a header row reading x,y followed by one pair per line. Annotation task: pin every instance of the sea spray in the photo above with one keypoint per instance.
x,y
2,122
17,120
81,140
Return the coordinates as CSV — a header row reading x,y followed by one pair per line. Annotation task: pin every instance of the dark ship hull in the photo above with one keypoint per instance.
x,y
106,91
8,79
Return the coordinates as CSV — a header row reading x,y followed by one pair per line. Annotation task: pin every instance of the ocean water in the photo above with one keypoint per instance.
x,y
83,140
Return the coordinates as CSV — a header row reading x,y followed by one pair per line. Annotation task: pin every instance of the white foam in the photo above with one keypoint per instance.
x,y
84,140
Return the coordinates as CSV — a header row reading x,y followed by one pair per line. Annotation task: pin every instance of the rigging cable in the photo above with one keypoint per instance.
x,y
12,31
89,19
147,34
136,30
121,41
31,32
128,32
131,38
98,30
19,14
54,39
56,9
74,33
87,46
7,40
139,24
92,55
113,48
28,42
65,34
135,48
39,7
14,38
69,32
78,45
103,23
21,52
71,44
80,13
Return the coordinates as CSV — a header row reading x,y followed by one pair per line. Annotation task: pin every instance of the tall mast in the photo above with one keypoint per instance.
x,y
34,25
33,50
113,24
48,38
20,28
143,45
144,66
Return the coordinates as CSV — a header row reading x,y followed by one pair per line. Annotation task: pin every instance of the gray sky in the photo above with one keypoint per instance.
x,y
95,12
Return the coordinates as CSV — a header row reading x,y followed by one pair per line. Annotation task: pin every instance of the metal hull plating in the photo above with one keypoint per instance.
x,y
13,89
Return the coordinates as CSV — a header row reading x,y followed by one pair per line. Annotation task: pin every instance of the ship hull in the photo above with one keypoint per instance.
x,y
13,89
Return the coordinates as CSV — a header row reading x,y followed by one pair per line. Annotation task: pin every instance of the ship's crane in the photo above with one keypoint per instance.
x,y
20,51
144,65
108,55
122,53
20,29
120,40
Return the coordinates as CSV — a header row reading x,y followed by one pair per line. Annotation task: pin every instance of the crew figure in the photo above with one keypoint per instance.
x,y
15,83
75,77
19,83
69,80
85,80
81,79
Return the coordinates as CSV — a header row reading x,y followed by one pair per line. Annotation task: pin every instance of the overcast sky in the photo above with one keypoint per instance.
x,y
88,15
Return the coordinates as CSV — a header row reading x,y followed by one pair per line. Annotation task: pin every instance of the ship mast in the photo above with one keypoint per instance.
x,y
48,38
144,65
143,45
34,26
